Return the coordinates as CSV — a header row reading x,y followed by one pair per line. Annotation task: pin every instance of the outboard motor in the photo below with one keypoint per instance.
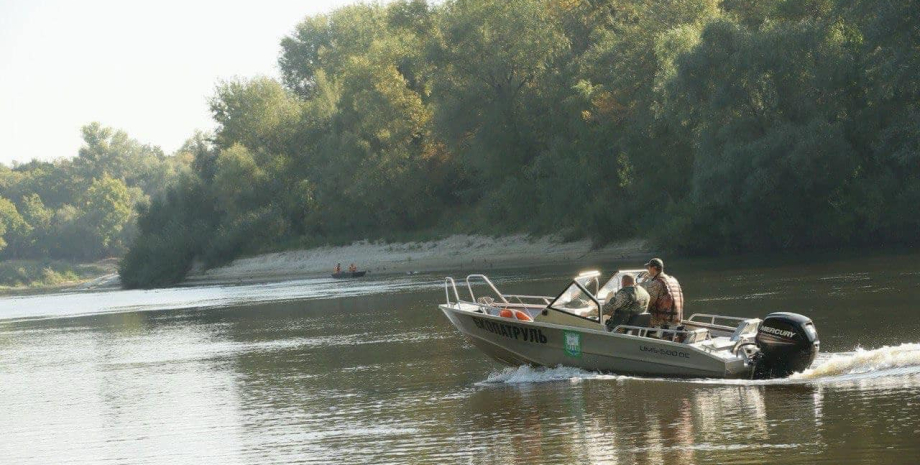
x,y
788,343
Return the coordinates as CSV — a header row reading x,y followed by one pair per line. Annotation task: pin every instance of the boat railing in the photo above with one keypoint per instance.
x,y
492,308
533,298
715,319
450,281
643,331
522,301
488,281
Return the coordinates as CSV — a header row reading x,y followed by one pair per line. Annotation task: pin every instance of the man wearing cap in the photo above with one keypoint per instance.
x,y
666,298
628,301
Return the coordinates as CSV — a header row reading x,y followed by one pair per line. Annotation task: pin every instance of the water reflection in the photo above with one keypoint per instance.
x,y
381,377
647,421
121,394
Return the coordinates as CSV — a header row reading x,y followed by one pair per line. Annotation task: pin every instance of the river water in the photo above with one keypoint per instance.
x,y
370,371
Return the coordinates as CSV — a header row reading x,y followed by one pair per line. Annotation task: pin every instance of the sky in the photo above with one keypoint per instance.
x,y
145,67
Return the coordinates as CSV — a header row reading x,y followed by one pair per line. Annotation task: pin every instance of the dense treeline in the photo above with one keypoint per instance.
x,y
82,208
703,125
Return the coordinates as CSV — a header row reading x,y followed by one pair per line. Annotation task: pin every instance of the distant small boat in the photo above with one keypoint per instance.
x,y
349,274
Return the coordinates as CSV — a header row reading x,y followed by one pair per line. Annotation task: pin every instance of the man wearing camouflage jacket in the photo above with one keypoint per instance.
x,y
666,298
628,301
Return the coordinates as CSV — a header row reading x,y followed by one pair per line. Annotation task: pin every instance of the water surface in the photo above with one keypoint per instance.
x,y
369,371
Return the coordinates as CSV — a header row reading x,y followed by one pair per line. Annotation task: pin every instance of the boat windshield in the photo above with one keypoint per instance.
x,y
589,280
616,282
576,301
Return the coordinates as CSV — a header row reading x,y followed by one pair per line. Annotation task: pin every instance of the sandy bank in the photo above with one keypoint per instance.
x,y
453,253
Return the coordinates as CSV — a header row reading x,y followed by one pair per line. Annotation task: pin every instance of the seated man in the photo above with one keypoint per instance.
x,y
628,301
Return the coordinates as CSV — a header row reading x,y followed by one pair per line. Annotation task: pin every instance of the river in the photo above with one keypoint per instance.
x,y
370,371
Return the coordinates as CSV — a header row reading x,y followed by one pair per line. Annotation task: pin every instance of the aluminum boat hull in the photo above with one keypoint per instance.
x,y
516,342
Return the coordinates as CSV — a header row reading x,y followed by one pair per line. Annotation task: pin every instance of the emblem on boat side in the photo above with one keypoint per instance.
x,y
572,343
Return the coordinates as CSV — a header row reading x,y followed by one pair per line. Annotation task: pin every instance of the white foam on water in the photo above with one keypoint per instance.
x,y
864,362
529,375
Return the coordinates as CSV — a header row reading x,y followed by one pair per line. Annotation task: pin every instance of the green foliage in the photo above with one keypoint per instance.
x,y
493,59
34,273
107,208
11,222
172,230
701,125
782,158
110,152
258,113
83,208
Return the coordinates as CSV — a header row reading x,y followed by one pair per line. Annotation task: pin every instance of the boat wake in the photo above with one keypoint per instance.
x,y
530,375
886,361
882,361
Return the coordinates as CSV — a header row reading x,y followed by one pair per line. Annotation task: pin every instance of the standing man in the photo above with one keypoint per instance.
x,y
666,298
628,301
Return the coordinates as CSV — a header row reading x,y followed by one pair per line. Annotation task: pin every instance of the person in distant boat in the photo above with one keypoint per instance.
x,y
628,301
338,268
352,268
666,298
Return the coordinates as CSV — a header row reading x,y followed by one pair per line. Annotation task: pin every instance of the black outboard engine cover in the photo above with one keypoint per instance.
x,y
788,343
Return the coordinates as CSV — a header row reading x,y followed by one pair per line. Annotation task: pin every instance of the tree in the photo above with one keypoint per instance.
x,y
11,222
772,154
38,242
326,42
719,125
107,208
107,151
490,55
239,182
173,229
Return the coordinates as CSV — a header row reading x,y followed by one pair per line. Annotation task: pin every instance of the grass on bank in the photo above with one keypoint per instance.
x,y
19,274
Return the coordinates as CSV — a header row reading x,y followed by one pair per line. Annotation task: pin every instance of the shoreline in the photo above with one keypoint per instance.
x,y
101,274
451,253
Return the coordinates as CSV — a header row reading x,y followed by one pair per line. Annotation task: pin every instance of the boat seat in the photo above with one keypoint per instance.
x,y
695,335
642,320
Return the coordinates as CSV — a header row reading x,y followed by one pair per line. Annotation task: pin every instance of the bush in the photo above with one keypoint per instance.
x,y
37,273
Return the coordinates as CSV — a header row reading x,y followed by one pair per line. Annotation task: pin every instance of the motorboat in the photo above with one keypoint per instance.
x,y
349,274
569,330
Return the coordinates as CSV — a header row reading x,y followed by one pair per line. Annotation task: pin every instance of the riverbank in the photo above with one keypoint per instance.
x,y
458,252
28,276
